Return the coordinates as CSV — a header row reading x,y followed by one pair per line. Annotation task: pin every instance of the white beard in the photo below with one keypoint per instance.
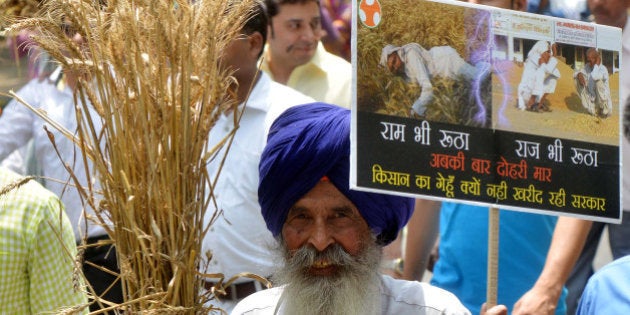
x,y
355,289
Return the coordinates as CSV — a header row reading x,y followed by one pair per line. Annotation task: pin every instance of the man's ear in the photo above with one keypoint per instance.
x,y
519,5
256,43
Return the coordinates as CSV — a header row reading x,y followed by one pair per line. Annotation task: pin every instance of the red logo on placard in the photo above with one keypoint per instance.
x,y
370,12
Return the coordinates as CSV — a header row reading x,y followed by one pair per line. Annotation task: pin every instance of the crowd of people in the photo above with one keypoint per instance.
x,y
288,213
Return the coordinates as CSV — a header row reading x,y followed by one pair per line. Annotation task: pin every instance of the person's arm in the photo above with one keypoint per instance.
x,y
580,75
422,232
566,245
16,121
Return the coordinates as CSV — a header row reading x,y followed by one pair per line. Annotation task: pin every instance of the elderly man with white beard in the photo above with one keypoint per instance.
x,y
330,237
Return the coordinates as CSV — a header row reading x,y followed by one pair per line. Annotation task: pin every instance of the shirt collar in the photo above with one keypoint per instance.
x,y
317,62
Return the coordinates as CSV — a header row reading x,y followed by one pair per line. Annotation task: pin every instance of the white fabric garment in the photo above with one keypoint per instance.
x,y
533,77
596,94
239,239
570,9
422,65
398,297
16,161
551,75
528,82
18,125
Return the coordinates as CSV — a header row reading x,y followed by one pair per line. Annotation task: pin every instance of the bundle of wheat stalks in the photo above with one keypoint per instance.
x,y
18,7
150,70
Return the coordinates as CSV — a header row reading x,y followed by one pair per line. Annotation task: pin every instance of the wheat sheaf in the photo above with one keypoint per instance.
x,y
150,89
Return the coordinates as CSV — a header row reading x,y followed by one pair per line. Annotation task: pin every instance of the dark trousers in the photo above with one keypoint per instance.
x,y
100,281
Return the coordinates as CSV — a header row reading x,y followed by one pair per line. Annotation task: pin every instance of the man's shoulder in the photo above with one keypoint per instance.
x,y
23,186
259,303
33,200
281,93
282,97
607,290
272,97
399,294
330,62
613,270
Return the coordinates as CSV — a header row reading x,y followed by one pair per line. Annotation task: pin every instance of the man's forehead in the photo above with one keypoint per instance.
x,y
300,7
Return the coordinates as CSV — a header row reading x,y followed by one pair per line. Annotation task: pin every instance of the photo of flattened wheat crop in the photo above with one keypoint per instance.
x,y
452,45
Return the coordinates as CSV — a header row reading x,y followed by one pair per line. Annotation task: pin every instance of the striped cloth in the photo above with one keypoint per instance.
x,y
37,249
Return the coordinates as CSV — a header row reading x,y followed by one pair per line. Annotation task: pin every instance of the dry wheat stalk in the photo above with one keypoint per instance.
x,y
24,8
149,70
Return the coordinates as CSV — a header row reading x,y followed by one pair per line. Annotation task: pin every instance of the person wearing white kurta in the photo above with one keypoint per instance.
x,y
533,76
18,125
550,75
397,297
239,239
595,92
421,66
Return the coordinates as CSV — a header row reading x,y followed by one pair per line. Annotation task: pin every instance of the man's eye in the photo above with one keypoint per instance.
x,y
295,26
316,24
341,214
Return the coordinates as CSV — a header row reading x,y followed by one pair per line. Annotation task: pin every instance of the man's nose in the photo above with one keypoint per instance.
x,y
310,32
321,237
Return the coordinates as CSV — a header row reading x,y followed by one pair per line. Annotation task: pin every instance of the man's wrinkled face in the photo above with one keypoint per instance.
x,y
592,58
295,33
395,64
324,217
331,259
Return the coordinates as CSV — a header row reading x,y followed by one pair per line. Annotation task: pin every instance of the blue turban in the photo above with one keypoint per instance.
x,y
306,143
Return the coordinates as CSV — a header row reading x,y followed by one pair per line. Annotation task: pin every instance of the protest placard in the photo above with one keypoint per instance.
x,y
488,106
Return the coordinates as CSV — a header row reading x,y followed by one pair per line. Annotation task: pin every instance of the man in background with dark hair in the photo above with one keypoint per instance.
x,y
238,240
593,85
296,57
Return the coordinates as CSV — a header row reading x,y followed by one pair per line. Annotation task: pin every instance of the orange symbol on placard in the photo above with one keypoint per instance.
x,y
370,12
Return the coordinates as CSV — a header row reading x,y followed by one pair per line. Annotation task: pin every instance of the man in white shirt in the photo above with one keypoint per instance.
x,y
539,78
551,74
420,66
528,91
238,239
592,85
295,56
